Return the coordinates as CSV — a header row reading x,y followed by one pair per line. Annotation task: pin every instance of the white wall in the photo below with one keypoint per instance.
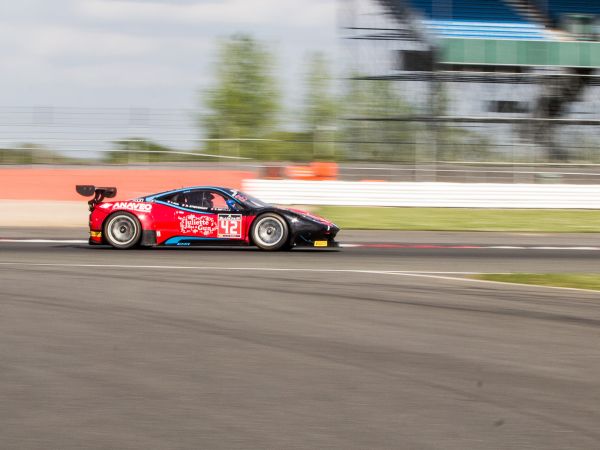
x,y
469,195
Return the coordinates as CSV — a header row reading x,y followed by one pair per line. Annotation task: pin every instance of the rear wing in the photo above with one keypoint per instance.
x,y
99,193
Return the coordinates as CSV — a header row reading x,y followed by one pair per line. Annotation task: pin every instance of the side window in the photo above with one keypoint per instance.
x,y
171,198
202,200
219,202
222,202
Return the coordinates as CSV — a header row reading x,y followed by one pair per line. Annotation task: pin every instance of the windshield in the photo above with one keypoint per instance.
x,y
248,200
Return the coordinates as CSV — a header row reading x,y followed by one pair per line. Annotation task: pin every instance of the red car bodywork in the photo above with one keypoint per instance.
x,y
169,222
201,215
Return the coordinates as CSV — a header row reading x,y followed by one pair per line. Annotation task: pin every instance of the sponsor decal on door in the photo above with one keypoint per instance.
x,y
201,225
230,226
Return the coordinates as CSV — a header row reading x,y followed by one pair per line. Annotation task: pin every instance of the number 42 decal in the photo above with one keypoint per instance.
x,y
230,226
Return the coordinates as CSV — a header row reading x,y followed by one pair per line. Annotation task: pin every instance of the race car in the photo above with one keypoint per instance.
x,y
202,215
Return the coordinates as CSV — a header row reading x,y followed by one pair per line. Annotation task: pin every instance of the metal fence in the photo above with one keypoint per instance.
x,y
377,158
434,112
533,125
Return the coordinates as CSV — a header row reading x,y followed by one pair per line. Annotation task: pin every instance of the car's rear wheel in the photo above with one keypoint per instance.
x,y
270,232
122,230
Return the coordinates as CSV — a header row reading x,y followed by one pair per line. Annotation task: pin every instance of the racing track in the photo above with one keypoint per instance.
x,y
239,349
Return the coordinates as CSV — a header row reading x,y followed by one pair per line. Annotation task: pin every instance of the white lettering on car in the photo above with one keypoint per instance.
x,y
133,206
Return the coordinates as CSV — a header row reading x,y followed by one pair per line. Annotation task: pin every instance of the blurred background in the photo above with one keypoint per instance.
x,y
446,138
381,90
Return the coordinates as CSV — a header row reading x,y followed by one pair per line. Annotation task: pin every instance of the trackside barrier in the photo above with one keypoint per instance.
x,y
452,195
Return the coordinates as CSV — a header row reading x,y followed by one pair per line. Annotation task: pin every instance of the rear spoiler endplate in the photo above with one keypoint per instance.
x,y
99,193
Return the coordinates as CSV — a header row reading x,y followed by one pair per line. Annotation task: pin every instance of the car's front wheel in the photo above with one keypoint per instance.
x,y
122,230
270,232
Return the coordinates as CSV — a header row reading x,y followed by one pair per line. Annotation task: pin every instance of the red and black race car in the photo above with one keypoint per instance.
x,y
201,216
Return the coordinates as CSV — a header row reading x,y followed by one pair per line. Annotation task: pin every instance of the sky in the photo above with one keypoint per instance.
x,y
146,53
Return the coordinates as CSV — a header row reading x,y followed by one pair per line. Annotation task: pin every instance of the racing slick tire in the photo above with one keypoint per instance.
x,y
270,232
122,230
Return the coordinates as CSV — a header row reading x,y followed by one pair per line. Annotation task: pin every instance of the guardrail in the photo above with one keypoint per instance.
x,y
451,195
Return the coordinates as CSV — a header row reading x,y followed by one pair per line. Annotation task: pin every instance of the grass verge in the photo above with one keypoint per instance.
x,y
570,280
463,219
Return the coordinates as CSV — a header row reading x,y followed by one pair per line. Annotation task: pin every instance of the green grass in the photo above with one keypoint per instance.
x,y
463,219
571,280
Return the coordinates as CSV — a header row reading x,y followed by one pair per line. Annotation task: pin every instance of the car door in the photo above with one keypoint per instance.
x,y
202,215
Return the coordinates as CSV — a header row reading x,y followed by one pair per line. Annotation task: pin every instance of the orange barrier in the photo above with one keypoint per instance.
x,y
46,183
318,170
325,170
299,172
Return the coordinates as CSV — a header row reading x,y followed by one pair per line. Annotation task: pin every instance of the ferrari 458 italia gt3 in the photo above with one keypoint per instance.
x,y
201,216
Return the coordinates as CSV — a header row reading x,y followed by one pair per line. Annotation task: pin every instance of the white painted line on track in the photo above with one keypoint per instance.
x,y
447,276
523,247
567,248
84,241
363,245
45,241
505,247
259,269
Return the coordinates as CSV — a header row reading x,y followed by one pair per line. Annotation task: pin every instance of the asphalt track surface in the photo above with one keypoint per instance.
x,y
362,348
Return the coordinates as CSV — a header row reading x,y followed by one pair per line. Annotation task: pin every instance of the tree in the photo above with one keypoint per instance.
x,y
244,101
378,136
320,105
